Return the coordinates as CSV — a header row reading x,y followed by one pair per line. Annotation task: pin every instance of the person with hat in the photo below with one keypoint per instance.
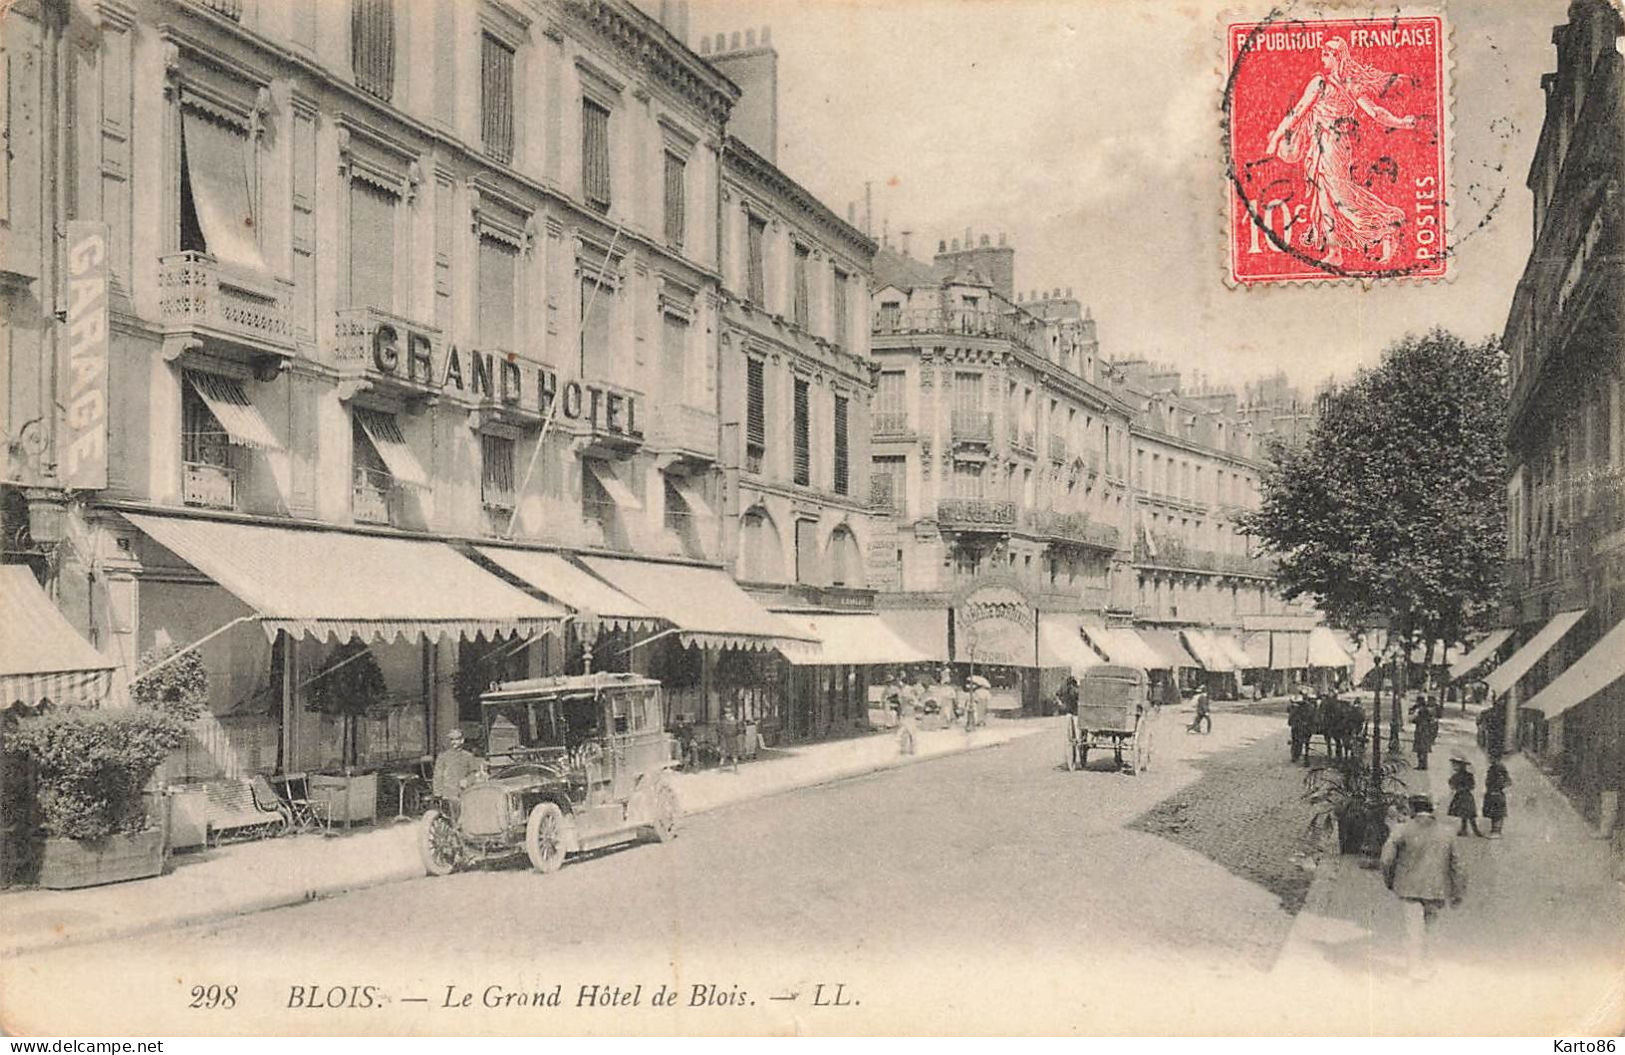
x,y
1421,866
1496,782
1463,804
454,767
979,696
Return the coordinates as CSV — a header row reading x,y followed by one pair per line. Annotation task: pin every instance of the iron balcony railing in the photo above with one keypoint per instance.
x,y
1076,528
889,423
372,495
195,293
958,322
973,426
677,427
976,513
209,486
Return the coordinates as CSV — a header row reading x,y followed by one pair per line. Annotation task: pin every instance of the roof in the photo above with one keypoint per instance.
x,y
319,583
746,161
41,655
892,268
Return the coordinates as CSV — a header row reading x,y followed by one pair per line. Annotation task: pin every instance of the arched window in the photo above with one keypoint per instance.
x,y
761,553
845,559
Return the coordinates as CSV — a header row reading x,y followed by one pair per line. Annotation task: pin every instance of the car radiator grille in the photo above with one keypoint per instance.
x,y
485,811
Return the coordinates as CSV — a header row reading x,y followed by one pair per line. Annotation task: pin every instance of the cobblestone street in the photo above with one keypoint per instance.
x,y
1083,889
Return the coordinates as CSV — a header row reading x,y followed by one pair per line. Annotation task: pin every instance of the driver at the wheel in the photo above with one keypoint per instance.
x,y
454,767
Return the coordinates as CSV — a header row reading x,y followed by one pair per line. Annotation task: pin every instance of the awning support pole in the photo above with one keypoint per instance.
x,y
167,660
648,640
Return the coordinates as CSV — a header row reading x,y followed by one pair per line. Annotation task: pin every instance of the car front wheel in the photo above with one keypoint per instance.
x,y
666,812
438,844
544,837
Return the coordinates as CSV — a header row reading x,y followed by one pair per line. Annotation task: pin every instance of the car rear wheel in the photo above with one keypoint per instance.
x,y
544,837
664,822
437,844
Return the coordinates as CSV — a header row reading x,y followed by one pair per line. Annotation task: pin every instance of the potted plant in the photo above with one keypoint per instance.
x,y
351,687
1348,795
93,770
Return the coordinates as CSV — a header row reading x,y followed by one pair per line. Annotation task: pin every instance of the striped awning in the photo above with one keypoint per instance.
x,y
232,408
850,638
42,657
384,432
1061,644
1479,653
1326,651
572,587
319,583
1206,648
705,605
1601,666
1172,654
1123,646
1232,648
1502,678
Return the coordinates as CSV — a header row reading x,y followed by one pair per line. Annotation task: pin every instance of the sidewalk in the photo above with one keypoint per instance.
x,y
1537,947
252,877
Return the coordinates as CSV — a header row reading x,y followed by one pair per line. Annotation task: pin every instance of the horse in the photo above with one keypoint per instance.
x,y
1339,722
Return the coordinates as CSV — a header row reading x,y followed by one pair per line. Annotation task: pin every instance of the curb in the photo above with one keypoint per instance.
x,y
283,899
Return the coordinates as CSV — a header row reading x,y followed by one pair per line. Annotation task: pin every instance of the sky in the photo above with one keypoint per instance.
x,y
1088,132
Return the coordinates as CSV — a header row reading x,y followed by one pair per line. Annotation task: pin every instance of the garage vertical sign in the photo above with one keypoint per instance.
x,y
82,385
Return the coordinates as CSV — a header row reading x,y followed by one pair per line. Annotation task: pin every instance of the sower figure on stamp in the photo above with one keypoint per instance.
x,y
1318,134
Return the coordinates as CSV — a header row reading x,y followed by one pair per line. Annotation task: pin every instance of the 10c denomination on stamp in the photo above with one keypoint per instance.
x,y
1337,152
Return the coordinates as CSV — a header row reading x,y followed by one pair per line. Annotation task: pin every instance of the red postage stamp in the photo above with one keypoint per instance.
x,y
1336,134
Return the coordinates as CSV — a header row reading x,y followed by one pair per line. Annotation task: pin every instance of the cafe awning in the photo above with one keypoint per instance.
x,y
1502,678
1232,647
705,604
1165,643
1205,648
1601,666
232,408
41,655
569,585
1060,644
924,629
1479,653
1278,649
319,583
857,639
1123,646
1326,651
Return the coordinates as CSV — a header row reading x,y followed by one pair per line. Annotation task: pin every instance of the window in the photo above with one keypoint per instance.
x,y
887,485
372,246
967,391
496,98
841,323
755,415
841,450
496,471
807,569
803,435
372,482
210,476
968,479
595,183
219,207
596,355
673,357
372,46
756,282
498,272
676,198
802,307
891,316
891,413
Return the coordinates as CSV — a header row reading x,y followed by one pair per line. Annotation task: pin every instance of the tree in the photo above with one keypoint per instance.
x,y
1392,512
350,687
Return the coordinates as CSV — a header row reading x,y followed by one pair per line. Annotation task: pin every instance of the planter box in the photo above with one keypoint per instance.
x,y
67,864
188,816
349,799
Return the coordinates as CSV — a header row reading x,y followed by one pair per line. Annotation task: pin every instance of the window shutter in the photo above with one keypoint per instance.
x,y
597,357
499,265
372,46
841,470
676,203
496,98
372,247
803,452
802,306
595,180
756,284
496,478
841,323
673,357
755,405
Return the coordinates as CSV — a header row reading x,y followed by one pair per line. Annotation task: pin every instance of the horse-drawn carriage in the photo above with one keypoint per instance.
x,y
1114,713
1342,723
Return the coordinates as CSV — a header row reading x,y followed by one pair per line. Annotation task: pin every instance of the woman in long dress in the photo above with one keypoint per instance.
x,y
1319,134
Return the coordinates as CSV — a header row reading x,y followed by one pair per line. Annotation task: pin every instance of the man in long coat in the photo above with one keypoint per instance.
x,y
1422,868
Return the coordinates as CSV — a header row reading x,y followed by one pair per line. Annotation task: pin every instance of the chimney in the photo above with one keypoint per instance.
x,y
984,241
942,245
968,242
905,236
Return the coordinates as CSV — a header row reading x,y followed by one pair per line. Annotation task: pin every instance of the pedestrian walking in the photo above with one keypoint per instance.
x,y
1424,732
1463,803
908,703
1067,695
978,695
1420,865
1496,782
1203,722
728,740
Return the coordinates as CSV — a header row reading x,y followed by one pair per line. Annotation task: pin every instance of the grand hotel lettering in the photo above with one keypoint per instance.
x,y
502,379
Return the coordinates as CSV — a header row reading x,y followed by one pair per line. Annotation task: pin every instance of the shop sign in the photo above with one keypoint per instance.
x,y
995,624
410,354
82,380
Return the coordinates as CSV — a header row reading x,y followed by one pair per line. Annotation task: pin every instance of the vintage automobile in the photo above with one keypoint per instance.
x,y
571,764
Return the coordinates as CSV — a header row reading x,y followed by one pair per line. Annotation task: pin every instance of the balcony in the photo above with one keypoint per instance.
x,y
973,426
962,323
1257,565
201,301
889,423
372,496
595,434
1073,529
1024,442
1057,449
232,9
379,350
684,430
976,514
209,486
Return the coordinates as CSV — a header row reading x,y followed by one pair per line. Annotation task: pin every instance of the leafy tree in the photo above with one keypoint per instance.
x,y
350,687
1392,512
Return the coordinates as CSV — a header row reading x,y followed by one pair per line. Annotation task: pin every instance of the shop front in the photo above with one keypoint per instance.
x,y
993,632
830,685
